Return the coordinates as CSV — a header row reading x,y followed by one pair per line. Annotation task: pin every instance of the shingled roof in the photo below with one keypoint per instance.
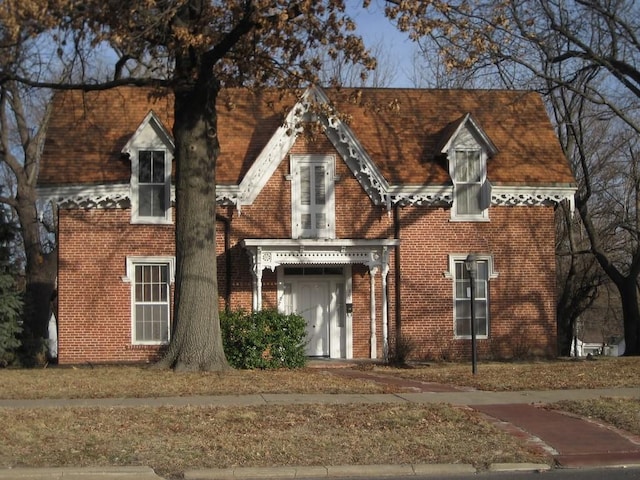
x,y
400,130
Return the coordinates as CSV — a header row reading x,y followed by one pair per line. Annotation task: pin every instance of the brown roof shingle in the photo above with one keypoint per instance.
x,y
399,128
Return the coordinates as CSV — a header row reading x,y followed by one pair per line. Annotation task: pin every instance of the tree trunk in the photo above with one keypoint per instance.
x,y
196,342
40,273
631,316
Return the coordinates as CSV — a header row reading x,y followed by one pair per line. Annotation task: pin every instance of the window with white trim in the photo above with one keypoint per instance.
x,y
151,280
312,203
469,184
462,295
151,186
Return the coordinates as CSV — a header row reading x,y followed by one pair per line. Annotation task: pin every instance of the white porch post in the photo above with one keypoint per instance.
x,y
374,346
256,270
385,306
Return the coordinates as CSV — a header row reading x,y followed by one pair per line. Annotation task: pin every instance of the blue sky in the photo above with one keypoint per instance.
x,y
374,28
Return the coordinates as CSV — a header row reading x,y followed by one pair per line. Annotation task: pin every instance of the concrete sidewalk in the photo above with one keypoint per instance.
x,y
473,397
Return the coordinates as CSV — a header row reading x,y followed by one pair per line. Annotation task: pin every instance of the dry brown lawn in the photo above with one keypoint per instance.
x,y
136,381
622,413
604,372
173,439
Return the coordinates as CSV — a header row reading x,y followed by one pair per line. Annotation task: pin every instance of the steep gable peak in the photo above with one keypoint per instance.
x,y
313,107
465,130
151,133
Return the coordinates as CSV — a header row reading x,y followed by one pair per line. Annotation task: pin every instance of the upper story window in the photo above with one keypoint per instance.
x,y
469,166
153,185
468,150
150,150
312,197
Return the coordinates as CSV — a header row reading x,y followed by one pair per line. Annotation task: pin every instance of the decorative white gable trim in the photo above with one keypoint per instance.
x,y
163,140
314,105
469,124
352,152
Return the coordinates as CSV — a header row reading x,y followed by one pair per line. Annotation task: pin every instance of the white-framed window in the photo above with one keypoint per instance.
x,y
312,196
469,184
151,279
151,186
462,295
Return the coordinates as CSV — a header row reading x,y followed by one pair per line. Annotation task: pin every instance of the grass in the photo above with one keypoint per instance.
x,y
604,372
132,381
622,413
135,381
174,439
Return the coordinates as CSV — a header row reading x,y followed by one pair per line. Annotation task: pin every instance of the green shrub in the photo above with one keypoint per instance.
x,y
10,312
265,339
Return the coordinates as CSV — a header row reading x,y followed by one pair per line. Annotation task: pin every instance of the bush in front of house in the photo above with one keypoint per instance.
x,y
264,339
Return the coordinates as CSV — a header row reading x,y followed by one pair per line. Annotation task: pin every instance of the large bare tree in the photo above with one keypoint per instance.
x,y
192,48
23,120
584,55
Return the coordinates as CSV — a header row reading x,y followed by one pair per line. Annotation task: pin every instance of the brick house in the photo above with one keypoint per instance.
x,y
353,207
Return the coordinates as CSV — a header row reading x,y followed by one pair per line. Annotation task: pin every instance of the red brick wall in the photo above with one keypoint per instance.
x,y
94,302
521,299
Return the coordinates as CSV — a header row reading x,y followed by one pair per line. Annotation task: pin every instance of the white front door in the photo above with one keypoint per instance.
x,y
311,300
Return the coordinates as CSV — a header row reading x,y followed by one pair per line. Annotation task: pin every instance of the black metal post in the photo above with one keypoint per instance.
x,y
472,268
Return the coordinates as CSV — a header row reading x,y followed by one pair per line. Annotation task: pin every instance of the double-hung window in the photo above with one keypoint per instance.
x,y
468,151
151,187
459,274
312,196
468,183
151,280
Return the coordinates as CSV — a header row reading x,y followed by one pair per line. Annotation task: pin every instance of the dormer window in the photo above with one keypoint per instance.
x,y
152,184
468,179
150,150
468,148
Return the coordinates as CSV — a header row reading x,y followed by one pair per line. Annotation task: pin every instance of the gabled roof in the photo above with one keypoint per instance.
x,y
466,122
152,122
399,130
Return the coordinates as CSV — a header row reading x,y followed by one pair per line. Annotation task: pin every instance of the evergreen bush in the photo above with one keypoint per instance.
x,y
264,339
10,298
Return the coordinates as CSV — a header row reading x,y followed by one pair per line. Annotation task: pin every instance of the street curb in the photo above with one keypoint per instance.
x,y
79,473
519,467
351,471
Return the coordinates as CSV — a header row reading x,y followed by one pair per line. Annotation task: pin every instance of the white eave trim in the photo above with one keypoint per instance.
x,y
533,195
118,195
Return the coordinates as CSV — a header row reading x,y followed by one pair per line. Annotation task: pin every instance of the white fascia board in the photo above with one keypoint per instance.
x,y
308,242
470,124
353,153
533,195
154,122
272,154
